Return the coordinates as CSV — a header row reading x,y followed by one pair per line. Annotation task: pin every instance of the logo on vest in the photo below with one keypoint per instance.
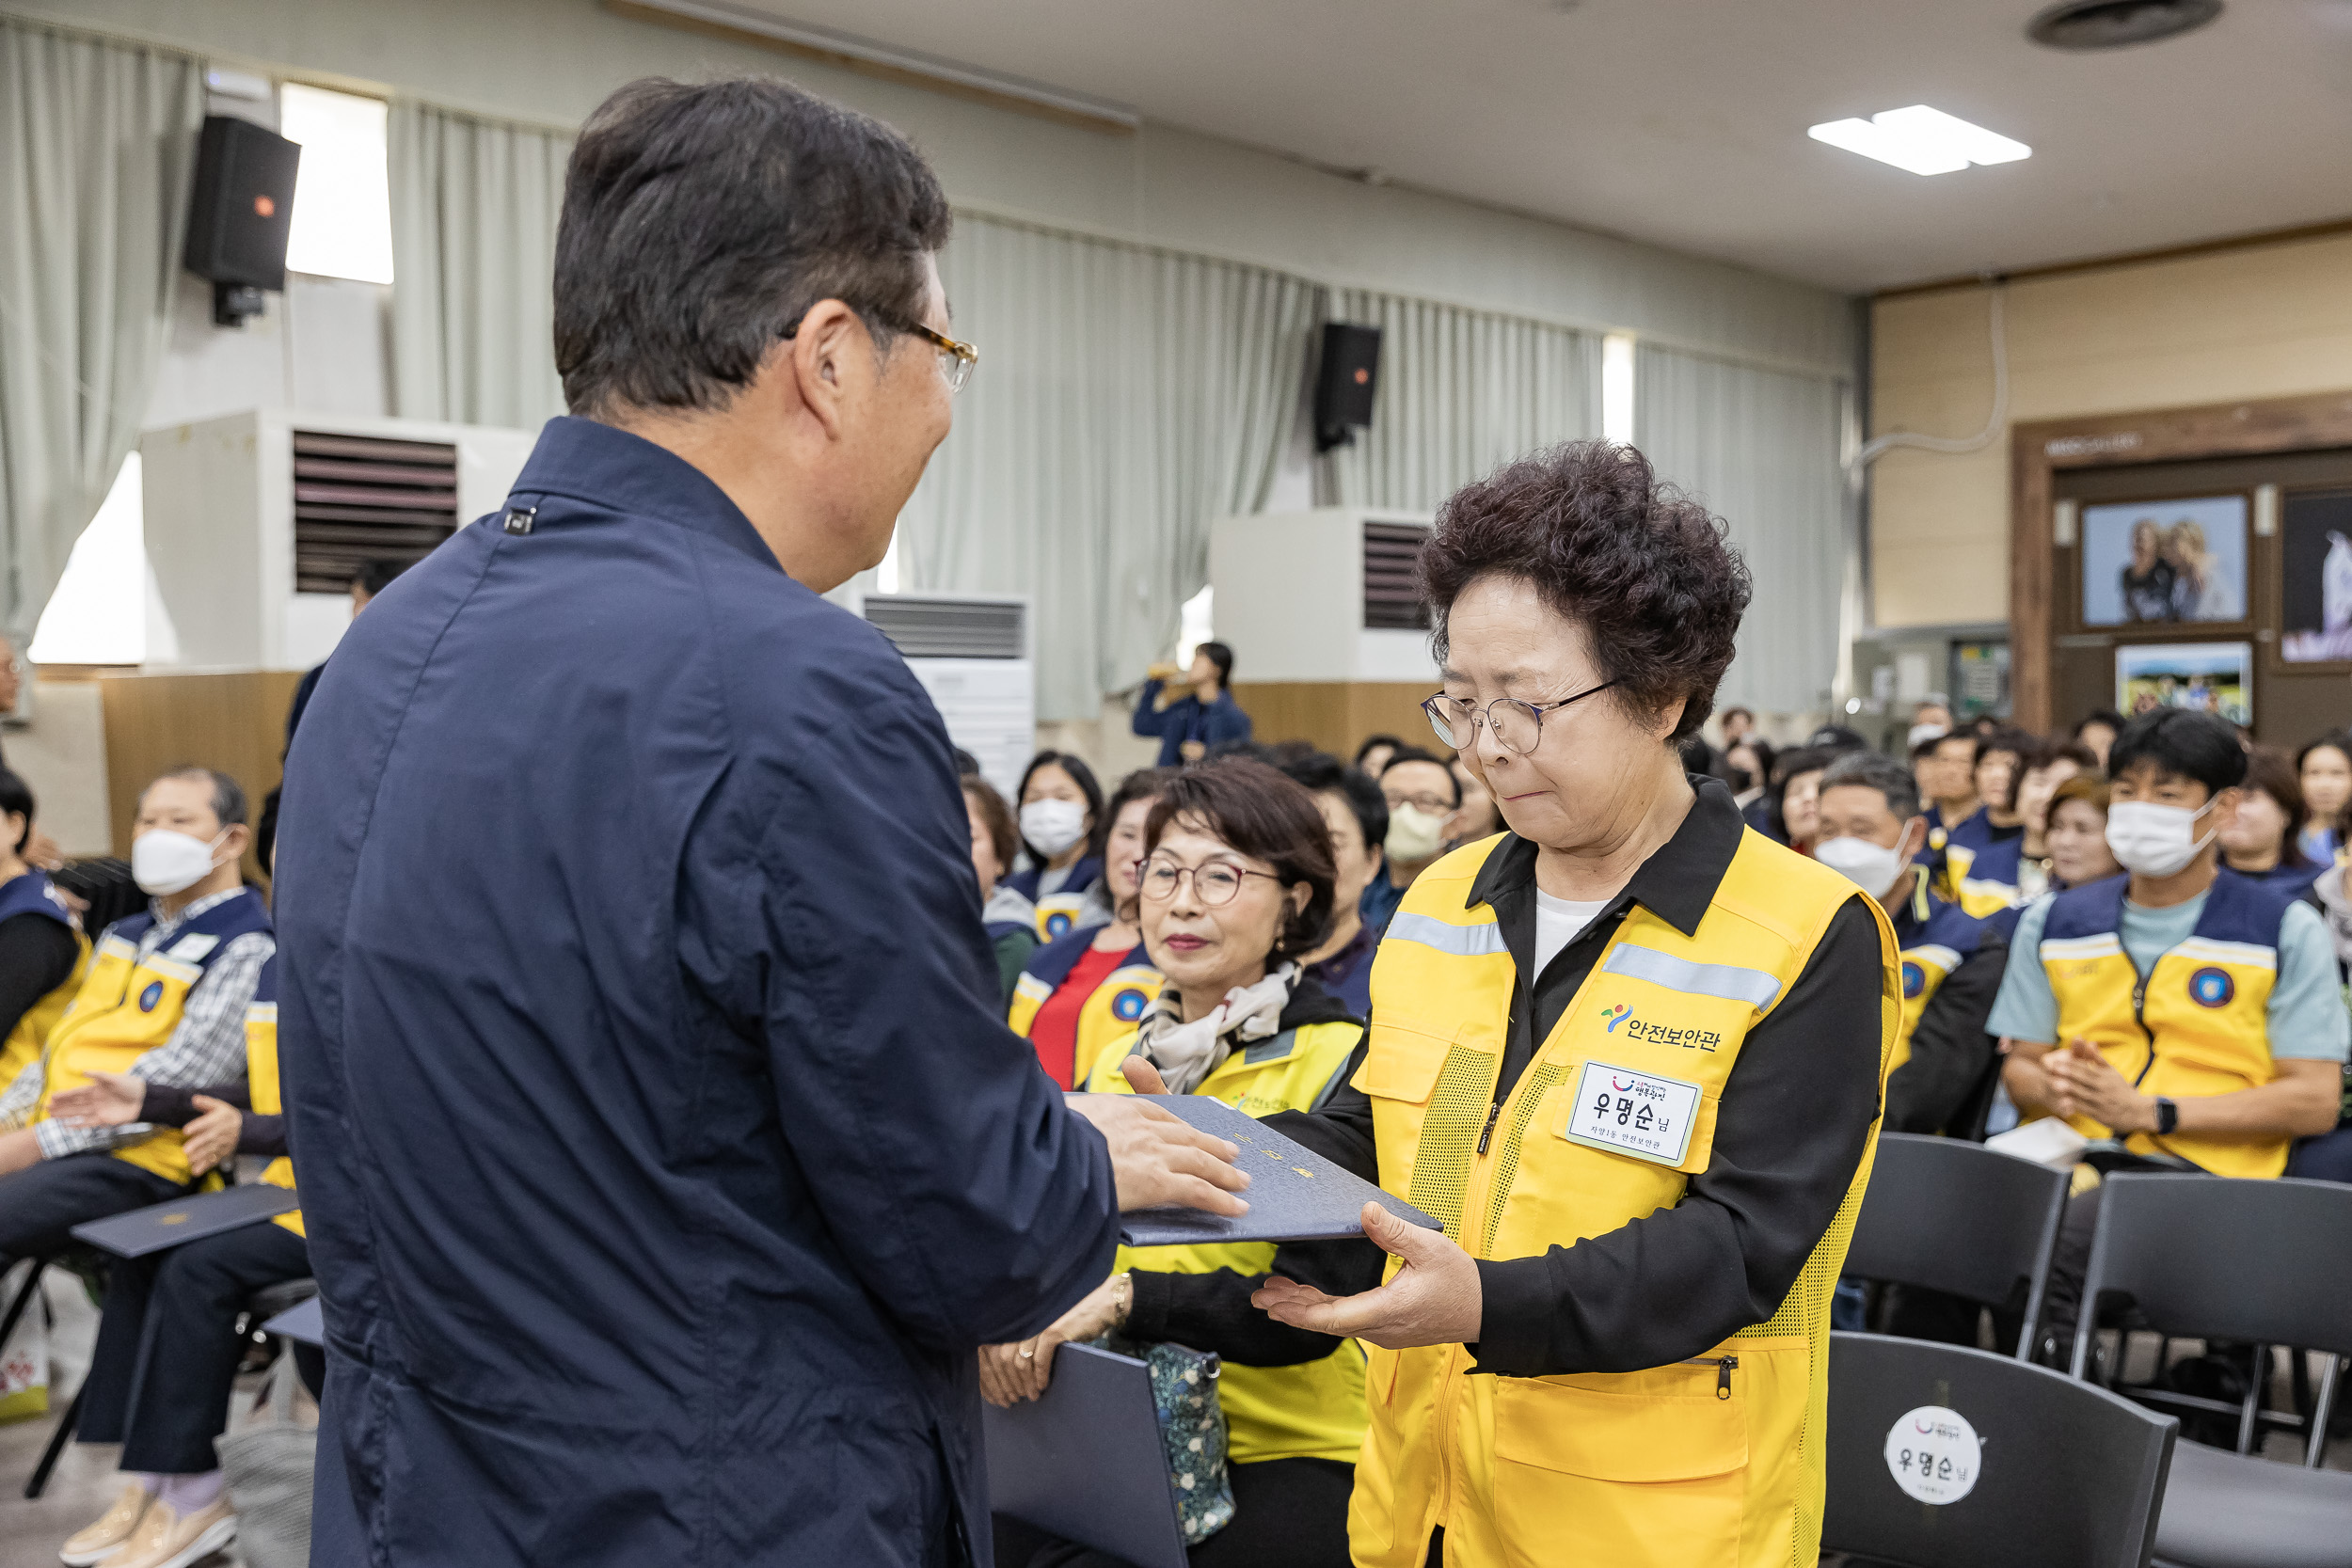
x,y
1128,1005
1615,1016
1058,923
2212,987
1656,1034
150,997
1914,980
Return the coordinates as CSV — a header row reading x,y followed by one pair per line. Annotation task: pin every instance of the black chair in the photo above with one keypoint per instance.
x,y
1942,1215
2255,1263
2068,1476
83,1261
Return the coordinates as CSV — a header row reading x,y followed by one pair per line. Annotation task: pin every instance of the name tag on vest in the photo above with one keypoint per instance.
x,y
1632,1112
191,948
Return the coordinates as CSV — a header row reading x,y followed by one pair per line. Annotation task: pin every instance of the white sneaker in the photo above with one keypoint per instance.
x,y
88,1545
166,1538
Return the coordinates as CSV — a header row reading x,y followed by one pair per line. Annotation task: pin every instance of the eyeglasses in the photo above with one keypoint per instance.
x,y
1213,884
1437,806
1515,725
956,360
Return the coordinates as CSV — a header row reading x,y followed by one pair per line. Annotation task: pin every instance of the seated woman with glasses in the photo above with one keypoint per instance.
x,y
1237,887
1090,985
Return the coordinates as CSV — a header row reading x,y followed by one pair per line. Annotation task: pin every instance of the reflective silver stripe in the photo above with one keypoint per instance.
x,y
1728,981
1463,942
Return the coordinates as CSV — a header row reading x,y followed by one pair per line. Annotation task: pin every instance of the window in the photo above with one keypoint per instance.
x,y
342,210
1616,383
106,609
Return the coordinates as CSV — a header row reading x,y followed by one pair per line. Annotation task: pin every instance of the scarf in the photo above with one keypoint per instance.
x,y
1187,1053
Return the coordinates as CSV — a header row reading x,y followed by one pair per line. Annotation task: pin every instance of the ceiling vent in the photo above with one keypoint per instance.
x,y
363,497
2084,24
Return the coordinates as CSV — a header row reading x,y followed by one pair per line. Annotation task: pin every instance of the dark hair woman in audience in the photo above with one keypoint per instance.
x,y
1061,829
43,950
1091,984
2264,840
2323,770
2051,765
1358,816
1010,918
1750,758
2077,834
1237,887
1374,755
1796,796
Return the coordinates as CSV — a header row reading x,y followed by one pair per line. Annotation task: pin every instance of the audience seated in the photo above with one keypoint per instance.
x,y
2181,1018
1010,918
1477,817
164,999
167,1354
42,951
2077,834
2324,771
2265,838
1238,885
1422,794
2052,764
1191,714
1945,765
2095,732
1982,852
1358,816
1751,763
1061,824
1792,814
1734,725
1374,755
1091,984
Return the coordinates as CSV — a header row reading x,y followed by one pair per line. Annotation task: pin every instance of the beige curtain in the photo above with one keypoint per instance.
x,y
97,149
1126,398
474,209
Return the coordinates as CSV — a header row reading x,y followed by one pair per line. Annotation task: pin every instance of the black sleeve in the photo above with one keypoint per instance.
x,y
1341,1131
1212,1311
1789,1134
1950,1053
168,1106
259,1135
37,956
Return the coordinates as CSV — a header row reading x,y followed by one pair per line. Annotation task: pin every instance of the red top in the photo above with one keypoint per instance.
x,y
1055,1030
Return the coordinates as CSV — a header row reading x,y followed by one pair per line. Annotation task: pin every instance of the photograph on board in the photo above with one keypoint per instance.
x,y
2215,677
2148,563
2315,578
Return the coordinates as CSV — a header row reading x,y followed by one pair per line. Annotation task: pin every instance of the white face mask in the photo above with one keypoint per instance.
x,y
1872,868
1414,834
163,862
2155,840
1924,732
1053,825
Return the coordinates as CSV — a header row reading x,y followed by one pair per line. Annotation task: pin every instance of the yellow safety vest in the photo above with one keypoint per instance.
x,y
268,1099
2201,1026
1057,915
1710,1463
1111,1013
23,1046
126,1008
1315,1410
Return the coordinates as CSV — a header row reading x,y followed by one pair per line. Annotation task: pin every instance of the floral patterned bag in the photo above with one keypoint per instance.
x,y
1192,1428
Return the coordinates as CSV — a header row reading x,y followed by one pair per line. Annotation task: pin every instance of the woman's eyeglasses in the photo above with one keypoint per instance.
x,y
1213,884
1516,726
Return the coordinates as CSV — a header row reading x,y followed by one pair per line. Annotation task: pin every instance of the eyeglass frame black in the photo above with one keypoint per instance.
x,y
967,356
1194,872
1484,714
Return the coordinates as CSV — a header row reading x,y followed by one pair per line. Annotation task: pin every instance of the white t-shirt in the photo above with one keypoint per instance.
x,y
1557,923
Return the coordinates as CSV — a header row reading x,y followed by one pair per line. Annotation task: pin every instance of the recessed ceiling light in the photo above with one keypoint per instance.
x,y
1923,140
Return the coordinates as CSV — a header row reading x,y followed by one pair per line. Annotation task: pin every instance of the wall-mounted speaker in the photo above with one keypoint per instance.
x,y
1345,382
241,214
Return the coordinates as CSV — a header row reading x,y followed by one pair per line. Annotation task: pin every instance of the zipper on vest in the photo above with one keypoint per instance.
x,y
2139,1015
1488,1131
1725,1365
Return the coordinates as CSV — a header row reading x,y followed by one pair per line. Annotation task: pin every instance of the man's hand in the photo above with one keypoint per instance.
x,y
108,1100
2082,1084
1157,1158
1021,1370
40,853
1434,1300
213,1136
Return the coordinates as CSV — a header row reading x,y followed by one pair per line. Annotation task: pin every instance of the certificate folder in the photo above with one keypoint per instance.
x,y
305,1323
1294,1194
186,1219
1084,1461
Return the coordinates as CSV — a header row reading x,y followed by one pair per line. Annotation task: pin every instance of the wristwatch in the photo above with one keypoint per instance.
x,y
2167,1116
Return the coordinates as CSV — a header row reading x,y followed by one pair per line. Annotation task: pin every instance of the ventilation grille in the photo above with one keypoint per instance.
x,y
360,499
1391,577
951,629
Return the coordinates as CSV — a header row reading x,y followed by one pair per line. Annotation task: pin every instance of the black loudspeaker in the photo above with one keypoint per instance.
x,y
241,214
1349,374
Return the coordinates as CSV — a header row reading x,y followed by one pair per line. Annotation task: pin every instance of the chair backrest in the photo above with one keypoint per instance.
x,y
1954,1216
2023,1466
2209,1256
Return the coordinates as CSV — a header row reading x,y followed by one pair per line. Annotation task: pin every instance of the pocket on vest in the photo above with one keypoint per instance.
x,y
1628,1479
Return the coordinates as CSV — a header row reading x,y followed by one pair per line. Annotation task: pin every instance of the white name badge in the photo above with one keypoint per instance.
x,y
1632,1112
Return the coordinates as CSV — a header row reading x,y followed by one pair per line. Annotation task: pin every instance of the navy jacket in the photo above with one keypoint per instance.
x,y
1188,719
663,1151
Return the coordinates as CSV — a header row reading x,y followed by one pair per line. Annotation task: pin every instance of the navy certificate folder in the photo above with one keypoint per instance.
x,y
1295,1194
186,1219
1084,1461
305,1322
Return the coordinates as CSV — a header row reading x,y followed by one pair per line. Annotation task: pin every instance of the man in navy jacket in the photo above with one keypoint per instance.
x,y
664,1155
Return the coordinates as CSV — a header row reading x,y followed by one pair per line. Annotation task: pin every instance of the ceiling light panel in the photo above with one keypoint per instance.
x,y
1921,139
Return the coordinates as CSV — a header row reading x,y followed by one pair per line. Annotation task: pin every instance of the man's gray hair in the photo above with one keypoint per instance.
x,y
1880,772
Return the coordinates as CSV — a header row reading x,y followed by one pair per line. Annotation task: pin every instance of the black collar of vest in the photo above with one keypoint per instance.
x,y
1677,883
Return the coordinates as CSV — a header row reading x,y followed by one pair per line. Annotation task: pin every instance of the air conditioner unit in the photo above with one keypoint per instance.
x,y
974,655
256,522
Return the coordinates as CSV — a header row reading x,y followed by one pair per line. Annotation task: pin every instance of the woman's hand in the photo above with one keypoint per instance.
x,y
108,1100
213,1136
1020,1370
1435,1299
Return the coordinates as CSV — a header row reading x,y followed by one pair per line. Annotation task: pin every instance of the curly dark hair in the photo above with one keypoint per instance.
x,y
1643,564
1263,814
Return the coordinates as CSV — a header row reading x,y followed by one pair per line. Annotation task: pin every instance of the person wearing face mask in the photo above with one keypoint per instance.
x,y
1060,819
164,999
1237,887
2181,1018
1983,849
1357,815
1589,1039
1422,794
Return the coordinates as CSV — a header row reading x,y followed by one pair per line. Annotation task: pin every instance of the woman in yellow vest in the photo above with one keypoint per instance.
x,y
1632,1053
43,950
167,1354
1236,888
